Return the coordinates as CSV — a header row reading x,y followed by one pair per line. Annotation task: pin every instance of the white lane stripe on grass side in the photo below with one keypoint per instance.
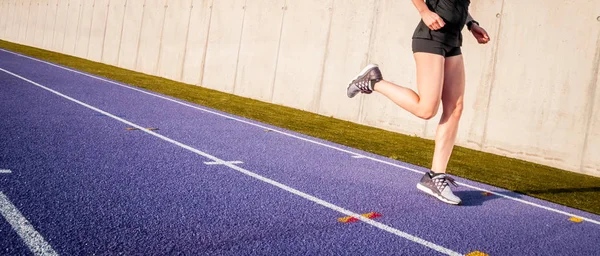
x,y
254,175
298,137
24,229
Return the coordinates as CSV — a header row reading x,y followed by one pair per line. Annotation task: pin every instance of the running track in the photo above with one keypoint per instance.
x,y
75,181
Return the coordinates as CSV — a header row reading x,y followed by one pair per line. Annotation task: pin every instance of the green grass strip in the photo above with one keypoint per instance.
x,y
555,185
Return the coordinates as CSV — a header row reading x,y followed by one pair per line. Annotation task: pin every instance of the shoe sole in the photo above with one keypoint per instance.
x,y
362,73
439,197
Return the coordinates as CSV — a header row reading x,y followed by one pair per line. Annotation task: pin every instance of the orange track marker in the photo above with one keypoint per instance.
x,y
370,215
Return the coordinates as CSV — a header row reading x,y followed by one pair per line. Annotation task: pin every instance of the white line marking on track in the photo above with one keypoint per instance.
x,y
24,229
5,171
256,176
224,162
359,156
297,137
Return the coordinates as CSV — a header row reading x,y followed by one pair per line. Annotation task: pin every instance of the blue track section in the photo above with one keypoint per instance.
x,y
90,186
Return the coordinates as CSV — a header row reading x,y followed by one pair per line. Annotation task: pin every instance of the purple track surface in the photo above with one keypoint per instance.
x,y
89,186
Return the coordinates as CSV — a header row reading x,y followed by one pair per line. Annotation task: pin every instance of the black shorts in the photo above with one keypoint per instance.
x,y
430,46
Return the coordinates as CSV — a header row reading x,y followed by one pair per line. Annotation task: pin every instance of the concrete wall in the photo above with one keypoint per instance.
x,y
531,92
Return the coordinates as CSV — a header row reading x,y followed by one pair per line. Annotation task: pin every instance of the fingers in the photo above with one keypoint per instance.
x,y
481,35
440,21
437,24
434,21
485,37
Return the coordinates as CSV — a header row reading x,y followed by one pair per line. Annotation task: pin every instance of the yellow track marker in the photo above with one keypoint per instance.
x,y
575,219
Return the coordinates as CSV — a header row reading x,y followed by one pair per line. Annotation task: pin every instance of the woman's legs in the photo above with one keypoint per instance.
x,y
438,78
452,105
430,80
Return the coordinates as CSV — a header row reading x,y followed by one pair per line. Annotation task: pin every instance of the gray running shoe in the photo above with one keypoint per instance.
x,y
364,81
437,186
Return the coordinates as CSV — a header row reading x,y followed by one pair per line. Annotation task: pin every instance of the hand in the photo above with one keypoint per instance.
x,y
480,34
432,20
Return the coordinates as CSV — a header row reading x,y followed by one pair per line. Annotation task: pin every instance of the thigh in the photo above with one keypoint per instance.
x,y
430,77
454,83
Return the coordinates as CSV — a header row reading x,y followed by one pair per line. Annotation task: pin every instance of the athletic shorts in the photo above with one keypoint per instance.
x,y
430,46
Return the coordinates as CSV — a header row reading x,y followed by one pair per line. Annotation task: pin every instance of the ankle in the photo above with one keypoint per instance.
x,y
374,82
433,173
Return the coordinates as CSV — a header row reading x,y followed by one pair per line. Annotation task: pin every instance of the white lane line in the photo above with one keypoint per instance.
x,y
24,229
298,137
254,175
5,171
359,156
224,162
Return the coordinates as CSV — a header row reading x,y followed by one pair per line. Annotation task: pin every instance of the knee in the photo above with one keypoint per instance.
x,y
454,112
459,109
427,113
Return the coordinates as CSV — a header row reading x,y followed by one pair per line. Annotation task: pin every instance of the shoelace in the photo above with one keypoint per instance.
x,y
363,85
445,180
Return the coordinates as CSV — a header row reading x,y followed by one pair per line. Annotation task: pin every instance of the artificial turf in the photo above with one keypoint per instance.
x,y
555,185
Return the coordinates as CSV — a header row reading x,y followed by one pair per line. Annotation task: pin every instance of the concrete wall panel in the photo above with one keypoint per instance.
x,y
258,52
391,49
591,151
98,30
114,27
24,12
172,49
151,36
3,17
51,10
11,23
347,54
84,29
197,38
31,20
134,11
60,27
38,39
535,109
302,54
16,20
223,45
73,15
